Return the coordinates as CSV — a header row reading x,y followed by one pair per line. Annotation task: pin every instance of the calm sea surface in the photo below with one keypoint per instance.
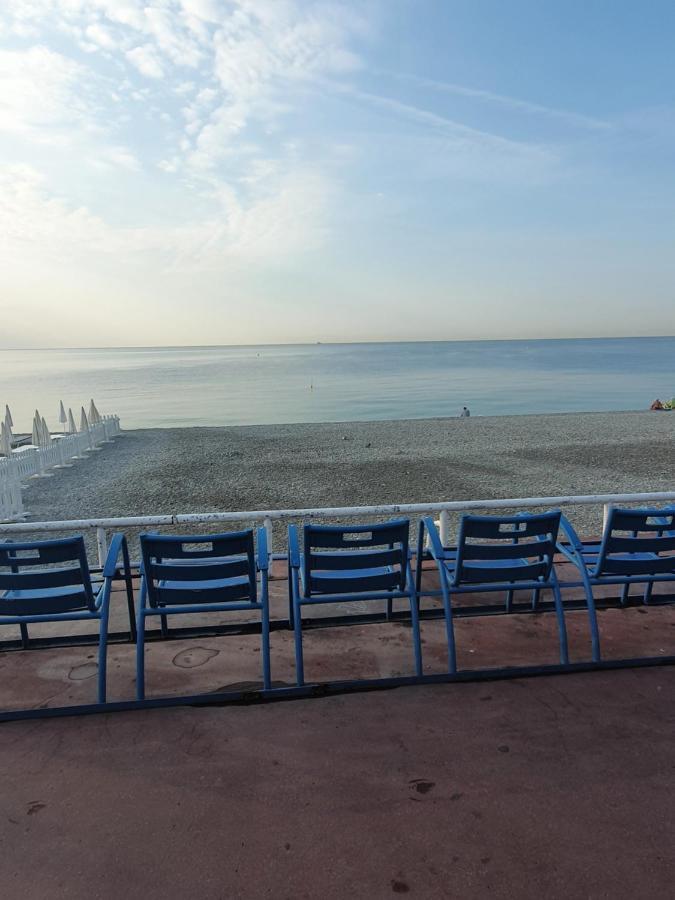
x,y
181,386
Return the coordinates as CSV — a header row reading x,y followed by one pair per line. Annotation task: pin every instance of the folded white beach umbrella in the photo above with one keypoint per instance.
x,y
84,421
36,437
63,418
9,422
5,440
94,415
46,433
72,427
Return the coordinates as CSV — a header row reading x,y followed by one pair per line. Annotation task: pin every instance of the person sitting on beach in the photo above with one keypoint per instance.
x,y
465,413
656,404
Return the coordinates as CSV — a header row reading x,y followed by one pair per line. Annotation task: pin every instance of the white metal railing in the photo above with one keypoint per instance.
x,y
267,518
34,462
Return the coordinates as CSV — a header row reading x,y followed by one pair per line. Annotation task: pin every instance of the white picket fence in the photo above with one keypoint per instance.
x,y
35,462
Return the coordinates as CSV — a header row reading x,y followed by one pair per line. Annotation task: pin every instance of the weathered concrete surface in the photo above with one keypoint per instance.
x,y
554,787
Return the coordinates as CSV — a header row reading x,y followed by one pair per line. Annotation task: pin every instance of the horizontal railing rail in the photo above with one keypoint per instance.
x,y
267,517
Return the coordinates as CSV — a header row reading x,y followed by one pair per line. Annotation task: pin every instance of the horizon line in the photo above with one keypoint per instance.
x,y
340,343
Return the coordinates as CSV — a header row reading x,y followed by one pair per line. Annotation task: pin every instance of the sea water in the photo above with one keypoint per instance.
x,y
184,386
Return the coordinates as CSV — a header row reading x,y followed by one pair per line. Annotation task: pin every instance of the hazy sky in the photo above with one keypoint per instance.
x,y
244,171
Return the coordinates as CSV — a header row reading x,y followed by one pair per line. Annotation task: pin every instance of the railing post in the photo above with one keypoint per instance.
x,y
101,545
269,529
39,463
445,528
605,515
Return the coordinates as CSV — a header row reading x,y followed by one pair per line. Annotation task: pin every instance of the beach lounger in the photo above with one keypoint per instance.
x,y
188,574
348,563
50,581
637,547
494,554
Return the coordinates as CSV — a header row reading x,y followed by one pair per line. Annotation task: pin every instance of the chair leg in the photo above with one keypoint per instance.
x,y
299,661
417,640
562,628
625,592
592,613
140,656
647,596
449,626
419,572
23,628
535,599
267,677
390,607
509,601
130,607
290,598
103,653
164,626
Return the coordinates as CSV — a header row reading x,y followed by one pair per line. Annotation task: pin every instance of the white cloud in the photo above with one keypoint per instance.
x,y
146,60
38,96
101,36
270,227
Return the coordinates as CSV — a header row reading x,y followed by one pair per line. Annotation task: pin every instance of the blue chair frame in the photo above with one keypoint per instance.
x,y
623,557
495,554
40,587
188,574
342,563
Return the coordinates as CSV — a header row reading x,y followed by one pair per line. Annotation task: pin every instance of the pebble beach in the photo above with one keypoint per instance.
x,y
179,470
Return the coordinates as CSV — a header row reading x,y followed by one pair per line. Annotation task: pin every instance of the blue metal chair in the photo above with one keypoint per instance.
x,y
50,581
345,563
188,574
637,547
495,553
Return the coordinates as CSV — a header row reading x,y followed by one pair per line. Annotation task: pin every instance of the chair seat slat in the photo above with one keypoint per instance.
x,y
37,603
192,570
619,544
360,581
31,579
181,592
643,564
508,551
481,574
358,559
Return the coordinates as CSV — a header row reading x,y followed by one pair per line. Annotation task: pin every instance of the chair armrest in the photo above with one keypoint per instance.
x,y
263,553
118,545
436,547
568,530
293,547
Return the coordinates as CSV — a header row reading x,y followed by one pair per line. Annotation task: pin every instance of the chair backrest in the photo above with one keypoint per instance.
x,y
52,577
376,556
638,542
496,549
204,568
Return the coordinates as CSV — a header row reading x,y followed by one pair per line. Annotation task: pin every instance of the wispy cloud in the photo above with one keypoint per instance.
x,y
510,103
207,84
451,127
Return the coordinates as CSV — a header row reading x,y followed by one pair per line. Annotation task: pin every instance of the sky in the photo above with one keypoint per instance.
x,y
272,171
